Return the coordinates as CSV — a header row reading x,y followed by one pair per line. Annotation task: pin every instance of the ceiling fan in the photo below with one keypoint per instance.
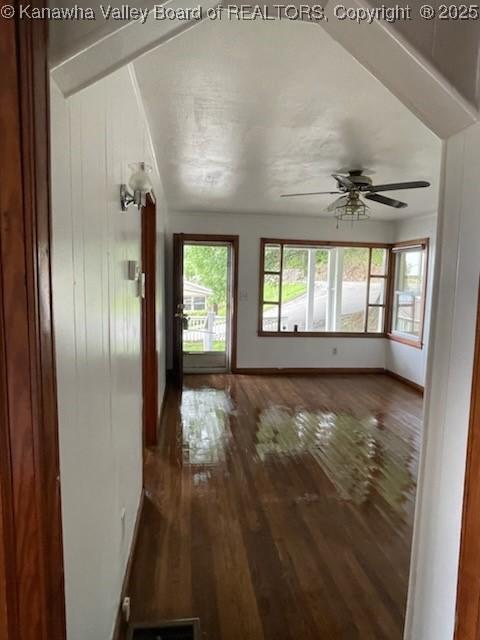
x,y
350,206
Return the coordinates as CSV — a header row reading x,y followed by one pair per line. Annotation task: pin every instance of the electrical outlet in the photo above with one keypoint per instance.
x,y
126,608
334,351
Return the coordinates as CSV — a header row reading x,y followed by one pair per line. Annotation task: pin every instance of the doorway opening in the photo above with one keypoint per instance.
x,y
205,309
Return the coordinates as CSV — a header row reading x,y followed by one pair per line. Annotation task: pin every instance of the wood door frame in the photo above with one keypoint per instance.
x,y
149,324
467,620
32,595
234,241
177,330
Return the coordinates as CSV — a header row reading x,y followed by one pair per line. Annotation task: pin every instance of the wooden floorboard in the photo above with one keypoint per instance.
x,y
281,507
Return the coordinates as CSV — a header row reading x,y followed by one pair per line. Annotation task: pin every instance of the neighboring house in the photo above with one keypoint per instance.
x,y
195,297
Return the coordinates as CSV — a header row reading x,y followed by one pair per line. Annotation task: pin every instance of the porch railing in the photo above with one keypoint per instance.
x,y
206,329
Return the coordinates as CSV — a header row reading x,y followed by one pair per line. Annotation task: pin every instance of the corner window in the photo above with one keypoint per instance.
x,y
322,288
408,298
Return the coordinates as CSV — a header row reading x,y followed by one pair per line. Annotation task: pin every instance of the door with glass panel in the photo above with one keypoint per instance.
x,y
207,305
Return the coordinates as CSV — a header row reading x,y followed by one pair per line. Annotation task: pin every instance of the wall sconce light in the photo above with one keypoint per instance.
x,y
138,186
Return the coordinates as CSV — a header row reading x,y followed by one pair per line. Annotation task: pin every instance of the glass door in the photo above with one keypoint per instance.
x,y
207,306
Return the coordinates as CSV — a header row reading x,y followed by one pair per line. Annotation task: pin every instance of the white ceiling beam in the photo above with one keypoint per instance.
x,y
404,71
122,46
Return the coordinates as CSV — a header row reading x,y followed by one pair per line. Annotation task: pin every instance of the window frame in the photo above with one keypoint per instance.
x,y
396,249
323,244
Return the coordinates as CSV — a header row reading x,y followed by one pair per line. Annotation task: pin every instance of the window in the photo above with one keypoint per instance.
x,y
408,299
319,288
199,303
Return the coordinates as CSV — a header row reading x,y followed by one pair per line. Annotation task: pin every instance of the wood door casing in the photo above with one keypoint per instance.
x,y
178,240
149,325
31,533
468,591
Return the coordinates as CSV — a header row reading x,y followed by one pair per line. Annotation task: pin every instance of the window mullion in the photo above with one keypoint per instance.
x,y
338,286
282,246
367,298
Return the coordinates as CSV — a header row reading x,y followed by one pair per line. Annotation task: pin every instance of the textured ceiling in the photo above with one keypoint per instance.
x,y
241,112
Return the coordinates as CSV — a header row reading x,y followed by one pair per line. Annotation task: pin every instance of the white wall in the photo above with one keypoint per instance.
x,y
95,134
407,361
254,351
431,611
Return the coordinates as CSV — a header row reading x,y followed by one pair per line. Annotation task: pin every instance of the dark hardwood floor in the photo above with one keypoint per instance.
x,y
281,507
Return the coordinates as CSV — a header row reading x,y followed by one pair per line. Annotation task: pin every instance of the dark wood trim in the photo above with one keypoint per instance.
x,y
365,325
468,591
318,334
29,476
268,371
235,244
391,335
413,385
4,608
121,626
8,571
280,291
326,243
206,237
419,242
261,279
425,288
149,325
389,292
395,337
177,327
316,371
235,240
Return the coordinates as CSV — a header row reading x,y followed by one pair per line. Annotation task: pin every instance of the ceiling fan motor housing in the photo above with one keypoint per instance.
x,y
359,179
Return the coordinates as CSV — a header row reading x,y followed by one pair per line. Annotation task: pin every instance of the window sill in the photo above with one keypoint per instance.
x,y
410,342
317,334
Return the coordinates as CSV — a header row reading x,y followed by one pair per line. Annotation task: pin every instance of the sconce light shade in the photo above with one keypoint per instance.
x,y
140,180
138,186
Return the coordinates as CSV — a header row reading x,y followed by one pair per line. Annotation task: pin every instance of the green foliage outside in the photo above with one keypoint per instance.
x,y
218,345
289,291
207,266
355,262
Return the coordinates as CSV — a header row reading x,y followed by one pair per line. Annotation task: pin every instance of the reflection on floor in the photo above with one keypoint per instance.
x,y
281,507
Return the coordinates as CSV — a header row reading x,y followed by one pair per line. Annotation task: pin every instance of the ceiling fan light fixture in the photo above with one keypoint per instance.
x,y
354,210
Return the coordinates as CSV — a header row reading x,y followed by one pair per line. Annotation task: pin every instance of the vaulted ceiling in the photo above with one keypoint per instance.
x,y
242,111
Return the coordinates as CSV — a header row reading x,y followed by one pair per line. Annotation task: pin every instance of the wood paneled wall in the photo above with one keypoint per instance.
x,y
96,134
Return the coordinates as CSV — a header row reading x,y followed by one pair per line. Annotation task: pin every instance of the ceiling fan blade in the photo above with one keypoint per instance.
x,y
311,193
390,202
338,203
343,181
395,186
